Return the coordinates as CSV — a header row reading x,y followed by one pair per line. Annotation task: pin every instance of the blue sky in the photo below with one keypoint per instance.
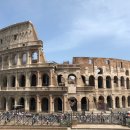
x,y
70,28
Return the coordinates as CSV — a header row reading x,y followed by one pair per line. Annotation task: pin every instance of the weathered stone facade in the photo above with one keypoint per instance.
x,y
26,78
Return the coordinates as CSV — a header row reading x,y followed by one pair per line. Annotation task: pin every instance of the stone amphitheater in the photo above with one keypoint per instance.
x,y
27,79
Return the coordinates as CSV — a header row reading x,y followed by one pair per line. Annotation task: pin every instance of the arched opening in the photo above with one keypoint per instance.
x,y
101,104
109,102
34,57
14,59
3,103
22,81
91,81
60,80
11,103
108,82
24,58
83,79
32,105
122,81
45,80
115,81
128,101
84,104
71,79
33,80
117,102
57,105
100,71
127,72
4,81
100,82
22,102
44,105
123,102
12,81
127,83
73,103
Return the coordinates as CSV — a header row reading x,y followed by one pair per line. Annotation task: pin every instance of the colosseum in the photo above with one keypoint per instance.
x,y
27,79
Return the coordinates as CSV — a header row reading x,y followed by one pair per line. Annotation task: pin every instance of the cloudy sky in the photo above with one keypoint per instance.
x,y
70,28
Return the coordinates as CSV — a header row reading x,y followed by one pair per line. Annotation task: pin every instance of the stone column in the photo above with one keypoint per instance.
x,y
91,104
27,79
26,103
96,83
39,84
9,60
126,102
78,103
29,57
17,81
119,83
65,102
125,84
112,83
120,102
104,82
38,104
7,103
113,102
51,106
51,77
18,61
16,101
2,62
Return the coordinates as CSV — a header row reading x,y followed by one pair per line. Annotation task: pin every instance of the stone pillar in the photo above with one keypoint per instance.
x,y
96,82
91,104
16,81
16,101
113,102
125,84
38,104
9,60
65,102
27,104
18,61
105,102
51,106
39,84
78,103
29,57
126,102
39,54
51,77
119,83
104,82
2,64
27,79
120,102
8,81
112,83
7,104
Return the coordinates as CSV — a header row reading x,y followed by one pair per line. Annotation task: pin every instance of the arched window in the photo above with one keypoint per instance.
x,y
122,81
14,59
127,72
24,58
22,81
33,80
22,102
73,103
91,81
32,104
123,101
108,82
83,79
109,102
45,105
115,81
84,104
45,80
13,81
3,103
34,57
127,83
100,82
101,104
117,102
100,71
4,81
11,103
71,79
58,105
60,80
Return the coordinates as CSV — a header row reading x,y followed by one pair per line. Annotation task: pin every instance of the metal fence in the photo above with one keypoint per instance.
x,y
23,118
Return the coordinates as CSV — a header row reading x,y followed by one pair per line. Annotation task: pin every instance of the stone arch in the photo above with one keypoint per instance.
x,y
123,101
101,104
115,81
117,102
84,104
34,57
45,80
100,82
3,103
109,102
127,72
122,81
108,82
24,58
91,80
72,79
33,80
32,104
60,80
11,102
100,71
22,102
13,81
73,103
22,81
128,98
45,105
127,83
58,104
